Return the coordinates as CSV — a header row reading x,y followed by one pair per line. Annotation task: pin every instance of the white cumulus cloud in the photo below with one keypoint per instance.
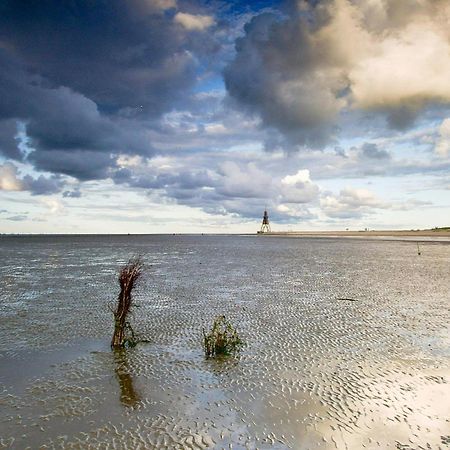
x,y
302,176
9,180
197,22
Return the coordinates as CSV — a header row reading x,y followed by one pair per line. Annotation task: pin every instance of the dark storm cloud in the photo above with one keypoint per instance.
x,y
88,79
401,118
81,164
273,75
117,53
8,140
58,119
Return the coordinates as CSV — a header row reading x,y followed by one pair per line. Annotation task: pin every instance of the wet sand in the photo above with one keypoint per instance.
x,y
318,371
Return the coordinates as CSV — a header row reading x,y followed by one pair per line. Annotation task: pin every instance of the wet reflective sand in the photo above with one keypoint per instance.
x,y
347,344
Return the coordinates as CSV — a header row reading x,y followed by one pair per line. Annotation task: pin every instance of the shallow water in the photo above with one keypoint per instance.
x,y
317,371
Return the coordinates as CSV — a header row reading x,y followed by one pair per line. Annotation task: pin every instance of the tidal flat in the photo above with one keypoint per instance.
x,y
347,344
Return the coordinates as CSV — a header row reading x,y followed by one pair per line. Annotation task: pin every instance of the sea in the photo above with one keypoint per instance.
x,y
347,343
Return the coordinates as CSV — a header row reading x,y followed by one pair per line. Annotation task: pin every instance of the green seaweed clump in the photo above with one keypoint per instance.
x,y
222,340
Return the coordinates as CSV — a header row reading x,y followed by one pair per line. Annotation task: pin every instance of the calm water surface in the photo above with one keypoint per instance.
x,y
317,371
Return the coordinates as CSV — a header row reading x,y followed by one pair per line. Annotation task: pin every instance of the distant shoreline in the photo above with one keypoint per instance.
x,y
439,235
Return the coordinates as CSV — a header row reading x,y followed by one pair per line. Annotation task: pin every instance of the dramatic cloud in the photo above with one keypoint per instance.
x,y
328,57
88,82
202,107
65,128
126,56
273,75
404,64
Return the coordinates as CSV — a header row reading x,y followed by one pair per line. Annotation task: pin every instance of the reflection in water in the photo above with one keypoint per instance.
x,y
129,397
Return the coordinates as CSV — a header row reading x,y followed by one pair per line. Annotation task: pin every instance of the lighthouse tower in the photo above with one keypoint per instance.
x,y
265,226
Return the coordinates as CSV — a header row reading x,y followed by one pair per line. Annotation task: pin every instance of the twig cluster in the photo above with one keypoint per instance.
x,y
128,276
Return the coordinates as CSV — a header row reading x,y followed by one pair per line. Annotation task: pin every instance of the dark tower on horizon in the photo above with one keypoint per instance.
x,y
265,226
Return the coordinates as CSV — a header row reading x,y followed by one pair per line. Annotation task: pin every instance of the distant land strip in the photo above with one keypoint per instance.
x,y
435,232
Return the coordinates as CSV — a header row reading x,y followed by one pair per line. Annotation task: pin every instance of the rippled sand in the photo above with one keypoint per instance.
x,y
319,370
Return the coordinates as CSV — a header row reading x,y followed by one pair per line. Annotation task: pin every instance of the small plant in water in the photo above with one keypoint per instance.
x,y
128,276
222,340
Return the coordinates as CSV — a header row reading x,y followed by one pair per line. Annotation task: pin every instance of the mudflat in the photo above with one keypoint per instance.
x,y
347,344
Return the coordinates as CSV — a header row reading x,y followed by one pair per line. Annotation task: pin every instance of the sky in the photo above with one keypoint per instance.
x,y
173,116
